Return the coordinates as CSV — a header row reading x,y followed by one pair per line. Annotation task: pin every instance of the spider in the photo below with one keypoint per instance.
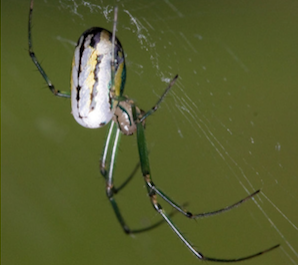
x,y
97,85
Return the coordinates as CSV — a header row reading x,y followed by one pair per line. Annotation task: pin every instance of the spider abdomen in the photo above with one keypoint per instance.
x,y
92,99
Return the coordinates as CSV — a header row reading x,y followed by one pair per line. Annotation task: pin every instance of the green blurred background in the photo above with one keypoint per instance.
x,y
228,127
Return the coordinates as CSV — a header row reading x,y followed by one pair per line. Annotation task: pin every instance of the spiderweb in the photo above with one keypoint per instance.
x,y
220,107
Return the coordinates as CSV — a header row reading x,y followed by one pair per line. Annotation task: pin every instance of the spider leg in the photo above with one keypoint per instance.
x,y
153,192
155,107
56,92
113,131
188,214
111,150
206,214
108,157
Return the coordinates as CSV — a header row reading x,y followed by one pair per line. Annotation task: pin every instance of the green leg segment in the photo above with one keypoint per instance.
x,y
56,92
153,191
108,158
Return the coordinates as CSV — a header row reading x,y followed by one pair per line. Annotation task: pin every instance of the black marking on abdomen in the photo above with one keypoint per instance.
x,y
95,73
